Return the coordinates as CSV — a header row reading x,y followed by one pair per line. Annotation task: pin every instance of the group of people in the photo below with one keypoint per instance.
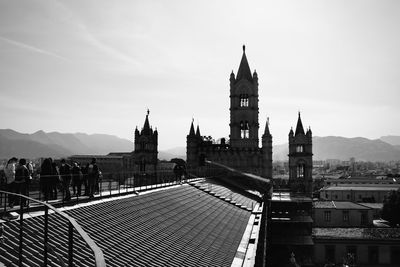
x,y
64,176
53,178
18,174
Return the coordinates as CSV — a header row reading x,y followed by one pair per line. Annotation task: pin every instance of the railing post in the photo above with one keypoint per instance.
x,y
70,244
119,185
46,231
109,186
5,203
62,190
100,188
21,225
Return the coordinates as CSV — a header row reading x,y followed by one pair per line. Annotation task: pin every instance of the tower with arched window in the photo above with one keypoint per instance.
x,y
244,124
146,148
241,150
300,160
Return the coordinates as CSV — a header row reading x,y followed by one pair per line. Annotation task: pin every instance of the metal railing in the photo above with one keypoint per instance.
x,y
72,224
112,184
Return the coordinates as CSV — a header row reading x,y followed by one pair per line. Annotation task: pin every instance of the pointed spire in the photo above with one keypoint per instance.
x,y
192,129
198,131
266,131
146,126
309,132
244,69
299,127
291,131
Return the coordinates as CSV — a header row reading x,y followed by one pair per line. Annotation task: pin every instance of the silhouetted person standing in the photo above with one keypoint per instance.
x,y
93,173
46,175
65,173
22,179
76,179
9,171
54,180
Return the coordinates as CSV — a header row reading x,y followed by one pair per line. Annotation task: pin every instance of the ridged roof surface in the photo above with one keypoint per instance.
x,y
180,226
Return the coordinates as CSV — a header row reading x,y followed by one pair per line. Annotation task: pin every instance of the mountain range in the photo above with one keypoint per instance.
x,y
342,148
54,144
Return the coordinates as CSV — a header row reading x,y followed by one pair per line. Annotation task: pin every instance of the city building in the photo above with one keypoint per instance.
x,y
341,214
361,181
358,193
360,246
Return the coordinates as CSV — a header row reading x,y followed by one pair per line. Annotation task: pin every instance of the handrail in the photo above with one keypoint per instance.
x,y
98,253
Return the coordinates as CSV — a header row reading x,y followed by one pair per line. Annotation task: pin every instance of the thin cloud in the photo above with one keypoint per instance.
x,y
32,48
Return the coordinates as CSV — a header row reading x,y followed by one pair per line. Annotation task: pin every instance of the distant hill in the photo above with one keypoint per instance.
x,y
177,152
391,139
335,147
54,144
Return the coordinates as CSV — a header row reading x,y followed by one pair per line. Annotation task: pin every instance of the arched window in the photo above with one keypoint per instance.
x,y
244,130
244,100
300,170
299,148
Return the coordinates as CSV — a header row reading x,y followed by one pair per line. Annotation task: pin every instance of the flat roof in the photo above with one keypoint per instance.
x,y
373,205
287,196
357,233
346,205
361,188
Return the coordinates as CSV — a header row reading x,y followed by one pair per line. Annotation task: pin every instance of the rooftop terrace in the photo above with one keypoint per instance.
x,y
175,226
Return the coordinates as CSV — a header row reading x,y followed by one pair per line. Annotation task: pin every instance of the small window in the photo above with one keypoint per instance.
x,y
395,255
244,130
300,148
345,216
330,253
348,196
373,254
327,216
351,256
300,171
244,100
364,218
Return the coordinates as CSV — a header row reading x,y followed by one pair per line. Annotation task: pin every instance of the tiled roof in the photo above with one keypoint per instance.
x,y
172,227
339,205
373,205
228,194
357,233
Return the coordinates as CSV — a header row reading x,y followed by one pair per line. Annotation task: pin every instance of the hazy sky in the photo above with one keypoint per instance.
x,y
96,66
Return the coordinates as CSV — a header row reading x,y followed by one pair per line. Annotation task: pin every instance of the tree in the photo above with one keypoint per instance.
x,y
391,209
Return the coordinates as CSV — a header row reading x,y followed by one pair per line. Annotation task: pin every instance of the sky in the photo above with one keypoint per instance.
x,y
96,66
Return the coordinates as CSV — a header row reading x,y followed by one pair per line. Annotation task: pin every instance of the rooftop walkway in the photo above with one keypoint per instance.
x,y
176,226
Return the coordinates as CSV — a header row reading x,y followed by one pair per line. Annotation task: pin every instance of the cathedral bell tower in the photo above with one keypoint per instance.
x,y
300,160
146,148
266,152
244,107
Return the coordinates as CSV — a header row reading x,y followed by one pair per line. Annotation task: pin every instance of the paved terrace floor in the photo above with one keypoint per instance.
x,y
178,226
